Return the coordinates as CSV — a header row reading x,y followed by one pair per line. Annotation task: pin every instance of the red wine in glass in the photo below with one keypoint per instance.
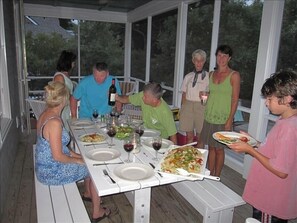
x,y
139,132
95,115
111,132
157,145
128,147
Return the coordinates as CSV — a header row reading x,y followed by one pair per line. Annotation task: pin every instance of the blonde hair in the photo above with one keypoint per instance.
x,y
55,94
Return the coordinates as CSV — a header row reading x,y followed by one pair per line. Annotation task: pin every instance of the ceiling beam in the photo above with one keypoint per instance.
x,y
74,13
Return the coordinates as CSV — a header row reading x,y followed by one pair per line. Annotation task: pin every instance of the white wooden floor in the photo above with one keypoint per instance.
x,y
166,206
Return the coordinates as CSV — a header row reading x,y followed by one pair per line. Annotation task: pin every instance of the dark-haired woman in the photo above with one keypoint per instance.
x,y
224,87
65,65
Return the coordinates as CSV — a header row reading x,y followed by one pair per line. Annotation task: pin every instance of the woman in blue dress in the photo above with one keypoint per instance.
x,y
55,164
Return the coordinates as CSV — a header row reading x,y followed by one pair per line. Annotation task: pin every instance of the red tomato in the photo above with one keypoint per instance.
x,y
244,139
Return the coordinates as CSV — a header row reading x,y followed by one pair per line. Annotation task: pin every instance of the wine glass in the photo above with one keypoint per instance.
x,y
204,96
157,144
111,132
95,115
139,130
128,147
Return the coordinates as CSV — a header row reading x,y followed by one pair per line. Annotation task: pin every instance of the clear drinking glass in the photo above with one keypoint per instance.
x,y
139,130
204,96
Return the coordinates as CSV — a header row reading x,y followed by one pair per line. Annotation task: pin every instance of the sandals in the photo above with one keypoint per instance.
x,y
95,220
86,198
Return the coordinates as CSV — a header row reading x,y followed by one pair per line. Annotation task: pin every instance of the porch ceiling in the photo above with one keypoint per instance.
x,y
102,5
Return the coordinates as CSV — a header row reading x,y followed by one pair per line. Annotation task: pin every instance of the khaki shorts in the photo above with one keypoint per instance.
x,y
191,116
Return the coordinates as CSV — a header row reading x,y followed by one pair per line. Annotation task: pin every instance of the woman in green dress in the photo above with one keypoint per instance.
x,y
224,87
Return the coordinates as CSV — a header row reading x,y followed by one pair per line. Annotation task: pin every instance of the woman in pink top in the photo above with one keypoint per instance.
x,y
271,186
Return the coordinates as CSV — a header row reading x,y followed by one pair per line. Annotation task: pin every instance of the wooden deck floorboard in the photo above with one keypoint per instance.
x,y
167,205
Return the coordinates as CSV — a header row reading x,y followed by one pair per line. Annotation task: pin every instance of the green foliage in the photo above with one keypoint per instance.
x,y
102,42
288,44
163,47
43,51
240,28
199,32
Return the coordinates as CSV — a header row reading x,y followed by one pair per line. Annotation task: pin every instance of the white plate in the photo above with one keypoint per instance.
x,y
165,144
202,170
82,123
235,136
103,138
149,133
103,154
136,122
133,171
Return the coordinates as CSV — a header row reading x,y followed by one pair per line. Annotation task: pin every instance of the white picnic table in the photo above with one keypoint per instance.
x,y
138,192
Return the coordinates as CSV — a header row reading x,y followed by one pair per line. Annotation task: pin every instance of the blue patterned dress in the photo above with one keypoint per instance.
x,y
50,171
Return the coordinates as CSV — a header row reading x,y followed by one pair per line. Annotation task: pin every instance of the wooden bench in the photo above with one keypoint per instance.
x,y
59,203
212,199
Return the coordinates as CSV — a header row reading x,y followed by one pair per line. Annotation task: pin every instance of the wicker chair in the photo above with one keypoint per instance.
x,y
127,87
38,106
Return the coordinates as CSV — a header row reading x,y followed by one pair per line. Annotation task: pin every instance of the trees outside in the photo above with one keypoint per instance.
x,y
163,47
101,41
199,32
138,49
240,28
288,44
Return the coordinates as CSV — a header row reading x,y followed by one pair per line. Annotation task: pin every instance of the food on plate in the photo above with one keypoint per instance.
x,y
123,132
243,139
187,157
230,140
94,137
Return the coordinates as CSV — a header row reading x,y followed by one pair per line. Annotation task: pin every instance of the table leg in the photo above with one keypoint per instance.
x,y
141,204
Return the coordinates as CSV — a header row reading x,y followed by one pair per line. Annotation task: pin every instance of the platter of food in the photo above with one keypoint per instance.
x,y
228,138
103,154
92,138
188,158
133,171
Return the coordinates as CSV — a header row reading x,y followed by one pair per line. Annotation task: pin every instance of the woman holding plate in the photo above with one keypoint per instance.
x,y
55,164
224,87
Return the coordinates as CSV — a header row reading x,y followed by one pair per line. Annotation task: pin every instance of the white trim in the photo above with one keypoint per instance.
x,y
215,34
181,36
148,49
234,164
270,33
127,58
74,13
3,66
154,7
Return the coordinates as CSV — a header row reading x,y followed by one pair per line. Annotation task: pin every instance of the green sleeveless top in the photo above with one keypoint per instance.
x,y
218,105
